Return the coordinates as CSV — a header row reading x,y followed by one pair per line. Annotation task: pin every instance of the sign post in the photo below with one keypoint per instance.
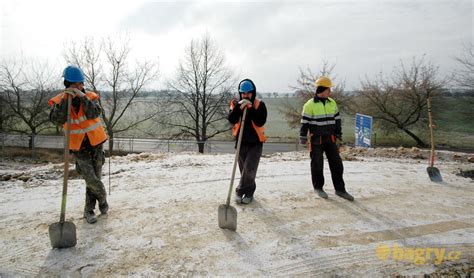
x,y
363,130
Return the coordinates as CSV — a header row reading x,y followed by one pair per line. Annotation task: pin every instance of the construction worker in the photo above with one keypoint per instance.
x,y
321,119
252,138
87,136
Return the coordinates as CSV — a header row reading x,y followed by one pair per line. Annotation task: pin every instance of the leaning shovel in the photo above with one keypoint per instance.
x,y
227,214
63,233
433,172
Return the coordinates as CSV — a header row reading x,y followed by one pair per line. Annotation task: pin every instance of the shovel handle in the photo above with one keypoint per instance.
x,y
66,160
239,142
430,118
110,192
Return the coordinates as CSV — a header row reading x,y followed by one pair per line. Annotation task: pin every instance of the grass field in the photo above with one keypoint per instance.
x,y
452,115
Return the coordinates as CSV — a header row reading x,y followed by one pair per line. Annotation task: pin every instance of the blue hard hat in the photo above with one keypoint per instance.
x,y
246,86
73,74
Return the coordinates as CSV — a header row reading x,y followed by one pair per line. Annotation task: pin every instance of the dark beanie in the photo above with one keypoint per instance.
x,y
321,89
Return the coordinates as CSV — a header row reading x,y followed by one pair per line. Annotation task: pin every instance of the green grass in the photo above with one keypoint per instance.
x,y
454,126
277,128
452,115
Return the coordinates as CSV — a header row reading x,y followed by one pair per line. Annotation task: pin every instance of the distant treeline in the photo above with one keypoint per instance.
x,y
164,93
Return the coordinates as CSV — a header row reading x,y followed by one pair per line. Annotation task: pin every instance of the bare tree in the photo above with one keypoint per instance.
x,y
399,101
109,74
26,89
304,90
464,76
6,114
200,94
87,54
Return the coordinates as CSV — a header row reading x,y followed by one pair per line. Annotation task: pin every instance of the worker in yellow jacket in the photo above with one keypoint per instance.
x,y
321,120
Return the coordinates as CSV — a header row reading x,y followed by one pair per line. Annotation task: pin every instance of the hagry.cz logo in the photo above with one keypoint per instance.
x,y
418,256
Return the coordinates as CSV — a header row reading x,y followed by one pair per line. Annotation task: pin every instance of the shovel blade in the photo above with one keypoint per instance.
x,y
227,217
62,235
434,174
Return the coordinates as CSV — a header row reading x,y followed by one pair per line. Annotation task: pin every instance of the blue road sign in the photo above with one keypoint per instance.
x,y
363,130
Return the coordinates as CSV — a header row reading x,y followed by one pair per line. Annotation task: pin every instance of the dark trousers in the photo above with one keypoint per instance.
x,y
335,165
89,165
249,158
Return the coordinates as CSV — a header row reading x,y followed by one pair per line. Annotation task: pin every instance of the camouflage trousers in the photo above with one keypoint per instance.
x,y
89,164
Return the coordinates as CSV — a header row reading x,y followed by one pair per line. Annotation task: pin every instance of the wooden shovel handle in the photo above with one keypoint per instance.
x,y
430,118
239,142
66,159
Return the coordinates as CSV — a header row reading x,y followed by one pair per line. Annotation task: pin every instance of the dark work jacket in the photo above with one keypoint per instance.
x,y
326,133
257,116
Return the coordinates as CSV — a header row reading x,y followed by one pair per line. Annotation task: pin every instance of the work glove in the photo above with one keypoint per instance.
x,y
235,106
339,139
339,143
73,92
303,140
245,103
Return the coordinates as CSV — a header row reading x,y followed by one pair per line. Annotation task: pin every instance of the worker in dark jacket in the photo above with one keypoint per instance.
x,y
252,138
321,119
87,136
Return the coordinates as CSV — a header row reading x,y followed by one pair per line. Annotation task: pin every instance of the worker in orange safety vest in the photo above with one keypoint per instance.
x,y
253,137
87,136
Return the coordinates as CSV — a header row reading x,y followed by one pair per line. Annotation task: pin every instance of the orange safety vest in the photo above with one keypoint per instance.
x,y
259,129
80,125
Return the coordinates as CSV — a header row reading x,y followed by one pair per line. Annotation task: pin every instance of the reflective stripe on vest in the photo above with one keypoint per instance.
x,y
78,121
259,129
319,114
80,125
85,130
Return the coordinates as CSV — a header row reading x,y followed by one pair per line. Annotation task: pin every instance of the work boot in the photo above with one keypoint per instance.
x,y
321,193
247,200
238,199
90,217
345,195
104,208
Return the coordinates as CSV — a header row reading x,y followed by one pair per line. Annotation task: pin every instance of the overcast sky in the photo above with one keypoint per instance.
x,y
266,41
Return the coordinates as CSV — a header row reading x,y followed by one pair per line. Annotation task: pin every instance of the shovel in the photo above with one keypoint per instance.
x,y
433,172
63,233
227,214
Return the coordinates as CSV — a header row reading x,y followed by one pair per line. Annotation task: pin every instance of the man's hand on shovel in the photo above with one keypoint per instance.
x,y
73,92
245,103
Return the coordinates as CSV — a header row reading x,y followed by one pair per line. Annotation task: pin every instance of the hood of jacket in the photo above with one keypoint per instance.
x,y
254,91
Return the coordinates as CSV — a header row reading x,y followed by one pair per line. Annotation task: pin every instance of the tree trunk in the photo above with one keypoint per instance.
x,y
1,115
111,143
31,144
419,142
201,146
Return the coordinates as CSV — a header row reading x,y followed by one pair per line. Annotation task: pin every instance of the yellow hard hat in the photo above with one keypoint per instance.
x,y
323,81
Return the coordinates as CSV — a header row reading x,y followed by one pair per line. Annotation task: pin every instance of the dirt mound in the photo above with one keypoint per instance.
x,y
466,173
354,153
